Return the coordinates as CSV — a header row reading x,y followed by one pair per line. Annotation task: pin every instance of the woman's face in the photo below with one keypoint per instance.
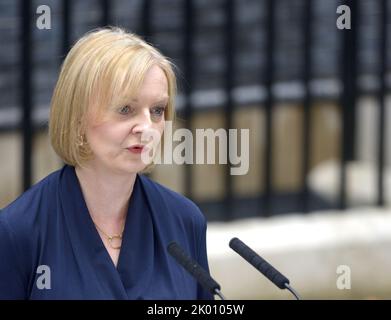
x,y
115,140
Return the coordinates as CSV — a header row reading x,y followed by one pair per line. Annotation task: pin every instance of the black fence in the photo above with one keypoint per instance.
x,y
346,57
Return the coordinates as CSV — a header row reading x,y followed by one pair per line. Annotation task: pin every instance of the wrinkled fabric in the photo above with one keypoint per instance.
x,y
50,248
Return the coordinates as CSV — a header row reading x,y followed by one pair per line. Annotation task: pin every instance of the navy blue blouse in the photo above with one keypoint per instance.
x,y
50,248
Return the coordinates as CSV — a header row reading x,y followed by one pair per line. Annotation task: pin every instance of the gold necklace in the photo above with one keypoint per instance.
x,y
111,238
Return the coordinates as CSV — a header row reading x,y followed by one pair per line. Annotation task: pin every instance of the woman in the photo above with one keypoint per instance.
x,y
97,228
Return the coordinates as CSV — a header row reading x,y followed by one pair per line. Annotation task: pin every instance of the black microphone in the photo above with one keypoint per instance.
x,y
194,269
262,265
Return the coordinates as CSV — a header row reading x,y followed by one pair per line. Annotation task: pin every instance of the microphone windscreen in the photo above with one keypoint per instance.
x,y
193,268
259,263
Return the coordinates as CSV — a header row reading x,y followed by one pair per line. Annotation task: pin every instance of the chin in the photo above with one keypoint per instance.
x,y
133,167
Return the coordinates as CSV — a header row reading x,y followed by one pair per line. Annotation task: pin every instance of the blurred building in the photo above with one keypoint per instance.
x,y
314,98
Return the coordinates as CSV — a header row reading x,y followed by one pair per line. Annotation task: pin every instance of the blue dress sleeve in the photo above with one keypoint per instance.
x,y
11,280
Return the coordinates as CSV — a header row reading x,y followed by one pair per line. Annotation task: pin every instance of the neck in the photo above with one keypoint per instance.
x,y
106,194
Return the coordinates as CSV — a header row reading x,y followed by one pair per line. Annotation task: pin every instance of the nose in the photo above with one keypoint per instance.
x,y
143,122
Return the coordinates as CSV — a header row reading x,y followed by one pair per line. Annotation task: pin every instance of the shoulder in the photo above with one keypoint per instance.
x,y
183,221
20,225
19,216
180,206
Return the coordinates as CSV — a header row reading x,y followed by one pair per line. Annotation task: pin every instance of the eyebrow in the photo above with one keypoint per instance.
x,y
165,99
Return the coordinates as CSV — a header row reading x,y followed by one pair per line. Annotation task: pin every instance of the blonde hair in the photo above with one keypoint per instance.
x,y
107,65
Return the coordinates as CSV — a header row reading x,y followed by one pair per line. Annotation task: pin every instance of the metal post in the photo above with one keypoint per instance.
x,y
26,87
229,107
348,97
307,31
269,78
189,76
382,96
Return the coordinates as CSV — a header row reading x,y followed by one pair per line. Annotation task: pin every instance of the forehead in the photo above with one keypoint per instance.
x,y
150,88
154,87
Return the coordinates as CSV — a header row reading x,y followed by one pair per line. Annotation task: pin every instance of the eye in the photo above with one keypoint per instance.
x,y
158,111
124,110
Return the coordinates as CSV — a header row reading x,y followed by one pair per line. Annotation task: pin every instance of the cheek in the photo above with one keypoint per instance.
x,y
106,135
160,126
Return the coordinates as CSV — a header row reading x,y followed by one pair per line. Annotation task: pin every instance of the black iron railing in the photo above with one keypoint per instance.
x,y
348,56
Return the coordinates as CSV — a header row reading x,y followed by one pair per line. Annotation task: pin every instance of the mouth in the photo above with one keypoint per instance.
x,y
137,148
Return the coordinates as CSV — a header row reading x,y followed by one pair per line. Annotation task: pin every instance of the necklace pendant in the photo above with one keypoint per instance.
x,y
114,246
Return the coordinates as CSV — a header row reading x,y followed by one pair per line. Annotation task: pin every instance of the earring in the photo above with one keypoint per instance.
x,y
81,140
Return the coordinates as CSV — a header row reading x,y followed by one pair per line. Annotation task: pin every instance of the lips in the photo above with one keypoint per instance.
x,y
137,148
